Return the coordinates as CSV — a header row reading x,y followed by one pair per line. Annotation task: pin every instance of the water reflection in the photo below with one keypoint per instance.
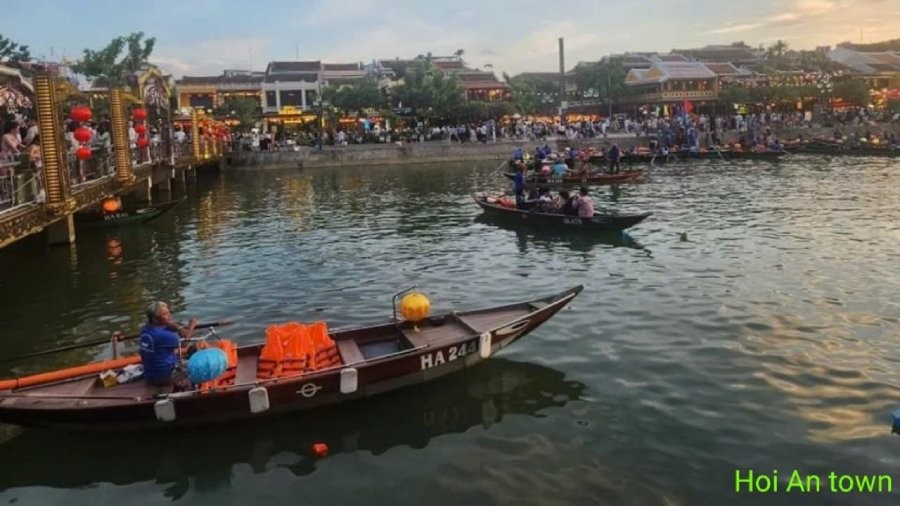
x,y
481,396
575,240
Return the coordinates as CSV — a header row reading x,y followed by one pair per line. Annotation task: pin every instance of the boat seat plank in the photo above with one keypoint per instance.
x,y
350,352
246,369
416,339
486,321
76,388
435,335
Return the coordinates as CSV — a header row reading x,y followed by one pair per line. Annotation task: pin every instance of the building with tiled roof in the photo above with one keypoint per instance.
x,y
290,91
881,69
672,82
211,91
482,86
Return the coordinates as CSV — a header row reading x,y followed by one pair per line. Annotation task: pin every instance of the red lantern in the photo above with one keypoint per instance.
x,y
142,142
83,153
80,113
140,128
139,114
82,134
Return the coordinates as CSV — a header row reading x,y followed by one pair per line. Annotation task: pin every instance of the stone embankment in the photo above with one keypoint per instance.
x,y
436,151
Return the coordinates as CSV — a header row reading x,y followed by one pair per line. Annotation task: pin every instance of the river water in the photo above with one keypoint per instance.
x,y
751,323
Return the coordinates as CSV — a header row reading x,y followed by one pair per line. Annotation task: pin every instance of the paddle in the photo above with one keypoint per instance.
x,y
103,341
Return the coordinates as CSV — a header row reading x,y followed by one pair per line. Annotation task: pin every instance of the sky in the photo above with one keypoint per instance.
x,y
204,37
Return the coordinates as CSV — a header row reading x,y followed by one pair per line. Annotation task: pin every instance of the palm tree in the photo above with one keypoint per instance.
x,y
778,49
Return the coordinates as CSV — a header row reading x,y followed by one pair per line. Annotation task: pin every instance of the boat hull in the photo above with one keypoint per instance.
x,y
123,218
599,223
418,364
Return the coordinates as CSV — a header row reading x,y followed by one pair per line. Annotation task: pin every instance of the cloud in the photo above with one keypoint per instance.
x,y
743,27
212,56
328,12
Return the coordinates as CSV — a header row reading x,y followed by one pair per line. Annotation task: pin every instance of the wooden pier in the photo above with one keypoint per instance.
x,y
45,197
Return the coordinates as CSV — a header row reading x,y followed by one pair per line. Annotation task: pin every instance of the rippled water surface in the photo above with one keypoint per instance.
x,y
752,322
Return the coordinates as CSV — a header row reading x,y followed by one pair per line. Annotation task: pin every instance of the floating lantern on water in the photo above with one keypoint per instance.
x,y
320,449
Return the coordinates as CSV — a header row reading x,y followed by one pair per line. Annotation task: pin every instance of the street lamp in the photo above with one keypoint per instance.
x,y
608,88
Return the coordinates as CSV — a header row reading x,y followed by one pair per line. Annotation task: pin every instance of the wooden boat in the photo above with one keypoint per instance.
x,y
608,221
483,396
359,362
841,149
590,180
569,237
124,217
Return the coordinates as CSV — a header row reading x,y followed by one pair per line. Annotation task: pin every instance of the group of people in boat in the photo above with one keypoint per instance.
x,y
570,204
572,161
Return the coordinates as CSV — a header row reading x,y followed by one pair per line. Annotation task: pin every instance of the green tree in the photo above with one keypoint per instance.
x,y
603,79
429,92
531,94
244,109
364,94
852,90
778,49
733,94
107,69
13,52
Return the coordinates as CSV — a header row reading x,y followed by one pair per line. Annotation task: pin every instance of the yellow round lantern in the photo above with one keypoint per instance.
x,y
415,306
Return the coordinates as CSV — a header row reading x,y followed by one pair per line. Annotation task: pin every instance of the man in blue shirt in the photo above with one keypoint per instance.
x,y
160,342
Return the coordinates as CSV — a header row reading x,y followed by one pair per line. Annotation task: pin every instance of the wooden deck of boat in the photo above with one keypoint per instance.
x,y
450,331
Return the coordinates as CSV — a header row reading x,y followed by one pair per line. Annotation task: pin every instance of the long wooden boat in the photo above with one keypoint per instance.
x,y
569,237
588,180
839,149
360,362
125,217
682,156
414,417
601,222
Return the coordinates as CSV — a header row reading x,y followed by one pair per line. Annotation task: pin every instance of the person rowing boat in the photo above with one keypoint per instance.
x,y
161,345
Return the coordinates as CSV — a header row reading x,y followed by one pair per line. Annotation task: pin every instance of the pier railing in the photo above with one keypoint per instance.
x,y
98,166
18,186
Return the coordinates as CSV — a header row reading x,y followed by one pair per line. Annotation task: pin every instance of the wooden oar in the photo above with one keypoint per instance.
x,y
102,341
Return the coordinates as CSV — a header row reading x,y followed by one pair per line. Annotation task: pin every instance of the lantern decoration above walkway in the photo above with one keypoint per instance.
x,y
80,113
82,134
83,153
139,114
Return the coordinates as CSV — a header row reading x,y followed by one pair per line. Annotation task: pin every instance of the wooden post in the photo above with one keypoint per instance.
x,y
53,151
195,135
56,167
121,144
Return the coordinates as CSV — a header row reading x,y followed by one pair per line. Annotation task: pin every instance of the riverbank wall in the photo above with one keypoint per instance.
x,y
433,151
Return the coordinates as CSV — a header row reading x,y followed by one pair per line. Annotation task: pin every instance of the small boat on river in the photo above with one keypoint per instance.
x,y
582,180
297,367
120,217
505,207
